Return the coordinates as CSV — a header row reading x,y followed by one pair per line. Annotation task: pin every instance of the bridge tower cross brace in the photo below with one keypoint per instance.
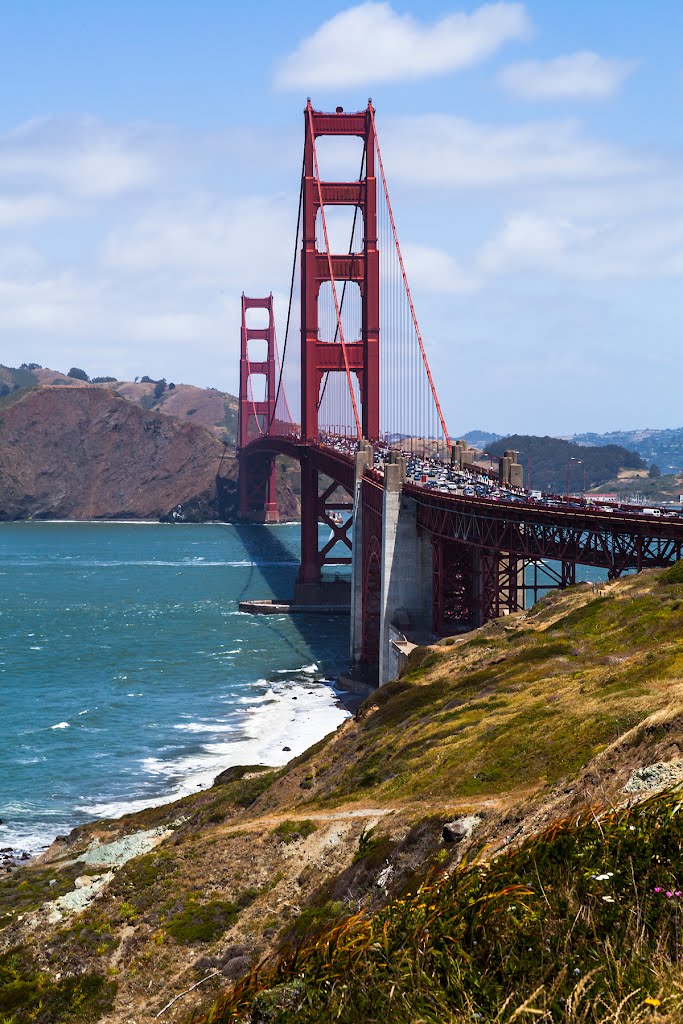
x,y
320,356
257,496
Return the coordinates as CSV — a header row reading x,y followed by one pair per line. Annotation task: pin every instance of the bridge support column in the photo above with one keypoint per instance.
x,y
309,571
498,585
406,588
257,489
364,460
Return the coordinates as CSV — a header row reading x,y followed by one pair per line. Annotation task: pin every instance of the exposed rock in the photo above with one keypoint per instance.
x,y
462,828
655,776
118,853
235,968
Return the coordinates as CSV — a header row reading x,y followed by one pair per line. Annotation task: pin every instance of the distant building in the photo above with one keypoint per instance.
x,y
602,497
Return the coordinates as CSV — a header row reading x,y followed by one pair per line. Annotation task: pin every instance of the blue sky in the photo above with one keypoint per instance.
x,y
149,161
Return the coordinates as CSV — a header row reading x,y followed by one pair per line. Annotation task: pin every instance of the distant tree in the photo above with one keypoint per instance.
x,y
654,471
78,374
171,386
159,388
102,380
137,379
5,389
30,366
146,380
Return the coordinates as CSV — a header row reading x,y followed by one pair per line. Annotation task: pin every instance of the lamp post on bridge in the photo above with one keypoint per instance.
x,y
569,466
582,463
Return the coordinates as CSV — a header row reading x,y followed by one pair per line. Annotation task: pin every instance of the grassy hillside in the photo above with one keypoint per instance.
x,y
638,484
544,909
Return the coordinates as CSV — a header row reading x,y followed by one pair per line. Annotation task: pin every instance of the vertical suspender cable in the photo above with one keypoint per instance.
x,y
343,295
291,292
405,281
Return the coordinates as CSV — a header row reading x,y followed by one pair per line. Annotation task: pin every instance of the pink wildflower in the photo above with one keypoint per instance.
x,y
658,888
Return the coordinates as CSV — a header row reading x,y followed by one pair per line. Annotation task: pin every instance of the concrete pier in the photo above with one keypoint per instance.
x,y
406,591
364,460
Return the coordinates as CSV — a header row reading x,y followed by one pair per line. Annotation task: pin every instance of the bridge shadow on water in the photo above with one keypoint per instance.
x,y
272,574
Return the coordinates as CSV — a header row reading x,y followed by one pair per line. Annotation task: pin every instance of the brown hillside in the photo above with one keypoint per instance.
x,y
208,407
75,452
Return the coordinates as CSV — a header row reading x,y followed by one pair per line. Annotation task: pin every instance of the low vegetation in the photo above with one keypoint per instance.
x,y
581,923
292,831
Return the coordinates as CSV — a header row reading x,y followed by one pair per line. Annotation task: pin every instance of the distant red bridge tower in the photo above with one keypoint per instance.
x,y
257,499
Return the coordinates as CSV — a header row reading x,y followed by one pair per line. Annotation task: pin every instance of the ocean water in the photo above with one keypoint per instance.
x,y
128,676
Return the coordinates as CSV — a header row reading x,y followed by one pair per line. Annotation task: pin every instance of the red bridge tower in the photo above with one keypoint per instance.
x,y
321,356
257,499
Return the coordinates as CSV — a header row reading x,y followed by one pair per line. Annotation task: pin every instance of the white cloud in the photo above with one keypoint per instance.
x,y
584,75
80,157
597,249
31,209
373,43
434,270
447,151
244,243
528,241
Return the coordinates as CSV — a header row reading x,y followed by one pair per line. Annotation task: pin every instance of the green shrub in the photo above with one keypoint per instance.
x,y
674,574
201,922
291,831
31,996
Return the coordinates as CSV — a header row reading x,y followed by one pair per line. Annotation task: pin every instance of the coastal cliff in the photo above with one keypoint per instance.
x,y
495,834
80,451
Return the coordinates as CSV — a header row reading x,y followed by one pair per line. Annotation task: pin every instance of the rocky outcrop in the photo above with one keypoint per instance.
x,y
75,452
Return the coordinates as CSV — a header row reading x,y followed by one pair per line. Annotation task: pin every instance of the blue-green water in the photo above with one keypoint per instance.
x,y
128,675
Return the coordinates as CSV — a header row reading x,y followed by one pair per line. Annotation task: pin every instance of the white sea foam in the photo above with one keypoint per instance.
x,y
265,698
268,723
210,727
60,725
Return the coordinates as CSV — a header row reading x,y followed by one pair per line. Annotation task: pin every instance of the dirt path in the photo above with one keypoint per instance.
x,y
267,821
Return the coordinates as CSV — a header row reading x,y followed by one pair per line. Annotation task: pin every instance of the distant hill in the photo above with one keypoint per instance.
x,y
81,449
480,438
663,448
550,456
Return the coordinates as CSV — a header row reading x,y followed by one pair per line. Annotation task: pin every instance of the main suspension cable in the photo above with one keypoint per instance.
x,y
405,281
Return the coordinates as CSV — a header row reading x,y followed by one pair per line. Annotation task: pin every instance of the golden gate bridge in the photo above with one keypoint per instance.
x,y
355,369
